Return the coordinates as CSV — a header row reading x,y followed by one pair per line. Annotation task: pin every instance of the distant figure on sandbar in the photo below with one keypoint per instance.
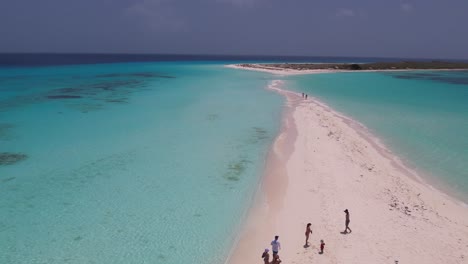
x,y
266,256
276,260
302,95
322,246
347,222
307,233
306,96
275,246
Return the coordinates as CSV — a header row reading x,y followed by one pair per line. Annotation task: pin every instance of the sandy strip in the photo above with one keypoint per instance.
x,y
284,72
279,71
322,163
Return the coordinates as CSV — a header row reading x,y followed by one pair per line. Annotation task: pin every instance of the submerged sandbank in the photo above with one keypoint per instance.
x,y
322,163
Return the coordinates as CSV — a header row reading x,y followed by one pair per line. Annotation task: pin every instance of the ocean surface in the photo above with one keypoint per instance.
x,y
422,116
55,59
142,162
156,159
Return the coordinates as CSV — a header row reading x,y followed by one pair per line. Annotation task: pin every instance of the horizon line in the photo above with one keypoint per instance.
x,y
221,55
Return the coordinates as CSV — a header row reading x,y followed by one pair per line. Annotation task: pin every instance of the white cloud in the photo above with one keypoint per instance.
x,y
406,7
156,14
345,12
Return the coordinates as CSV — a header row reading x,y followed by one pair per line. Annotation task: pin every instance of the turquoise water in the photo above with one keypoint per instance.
x,y
421,116
158,162
129,162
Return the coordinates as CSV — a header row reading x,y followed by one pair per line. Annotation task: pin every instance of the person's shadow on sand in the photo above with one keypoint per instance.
x,y
306,246
345,233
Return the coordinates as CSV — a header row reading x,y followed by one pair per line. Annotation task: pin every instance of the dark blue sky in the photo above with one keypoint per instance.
x,y
382,28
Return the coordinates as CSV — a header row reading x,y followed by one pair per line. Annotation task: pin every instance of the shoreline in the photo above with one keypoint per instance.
x,y
415,172
323,162
285,72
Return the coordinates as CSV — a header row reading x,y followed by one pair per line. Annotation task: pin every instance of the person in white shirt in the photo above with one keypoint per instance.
x,y
275,246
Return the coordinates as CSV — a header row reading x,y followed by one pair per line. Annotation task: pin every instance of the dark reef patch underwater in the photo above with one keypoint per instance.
x,y
138,74
63,96
111,88
8,158
450,77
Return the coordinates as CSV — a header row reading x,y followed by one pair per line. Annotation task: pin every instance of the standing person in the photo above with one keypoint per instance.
x,y
322,245
306,96
266,256
347,222
307,233
275,246
302,95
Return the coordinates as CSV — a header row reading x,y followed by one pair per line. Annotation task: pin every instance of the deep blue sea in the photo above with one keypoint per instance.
x,y
156,158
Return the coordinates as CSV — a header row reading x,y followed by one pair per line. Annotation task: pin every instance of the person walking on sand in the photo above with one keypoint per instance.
x,y
347,222
275,246
307,233
266,256
322,245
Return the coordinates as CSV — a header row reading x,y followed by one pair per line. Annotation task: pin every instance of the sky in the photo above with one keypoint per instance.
x,y
356,28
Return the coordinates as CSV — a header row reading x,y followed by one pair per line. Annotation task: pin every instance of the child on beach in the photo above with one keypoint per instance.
x,y
266,256
307,233
322,245
276,260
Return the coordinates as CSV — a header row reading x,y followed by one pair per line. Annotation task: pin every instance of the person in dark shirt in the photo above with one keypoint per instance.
x,y
347,221
322,245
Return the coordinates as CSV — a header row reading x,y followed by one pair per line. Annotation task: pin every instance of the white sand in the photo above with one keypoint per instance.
x,y
322,163
279,71
284,71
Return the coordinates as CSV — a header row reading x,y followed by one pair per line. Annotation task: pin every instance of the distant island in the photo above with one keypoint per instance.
x,y
374,66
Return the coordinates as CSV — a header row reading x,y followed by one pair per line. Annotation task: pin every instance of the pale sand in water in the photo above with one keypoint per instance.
x,y
322,163
280,71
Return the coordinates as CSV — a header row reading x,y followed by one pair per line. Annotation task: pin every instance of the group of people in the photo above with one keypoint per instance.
x,y
322,244
276,245
304,95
